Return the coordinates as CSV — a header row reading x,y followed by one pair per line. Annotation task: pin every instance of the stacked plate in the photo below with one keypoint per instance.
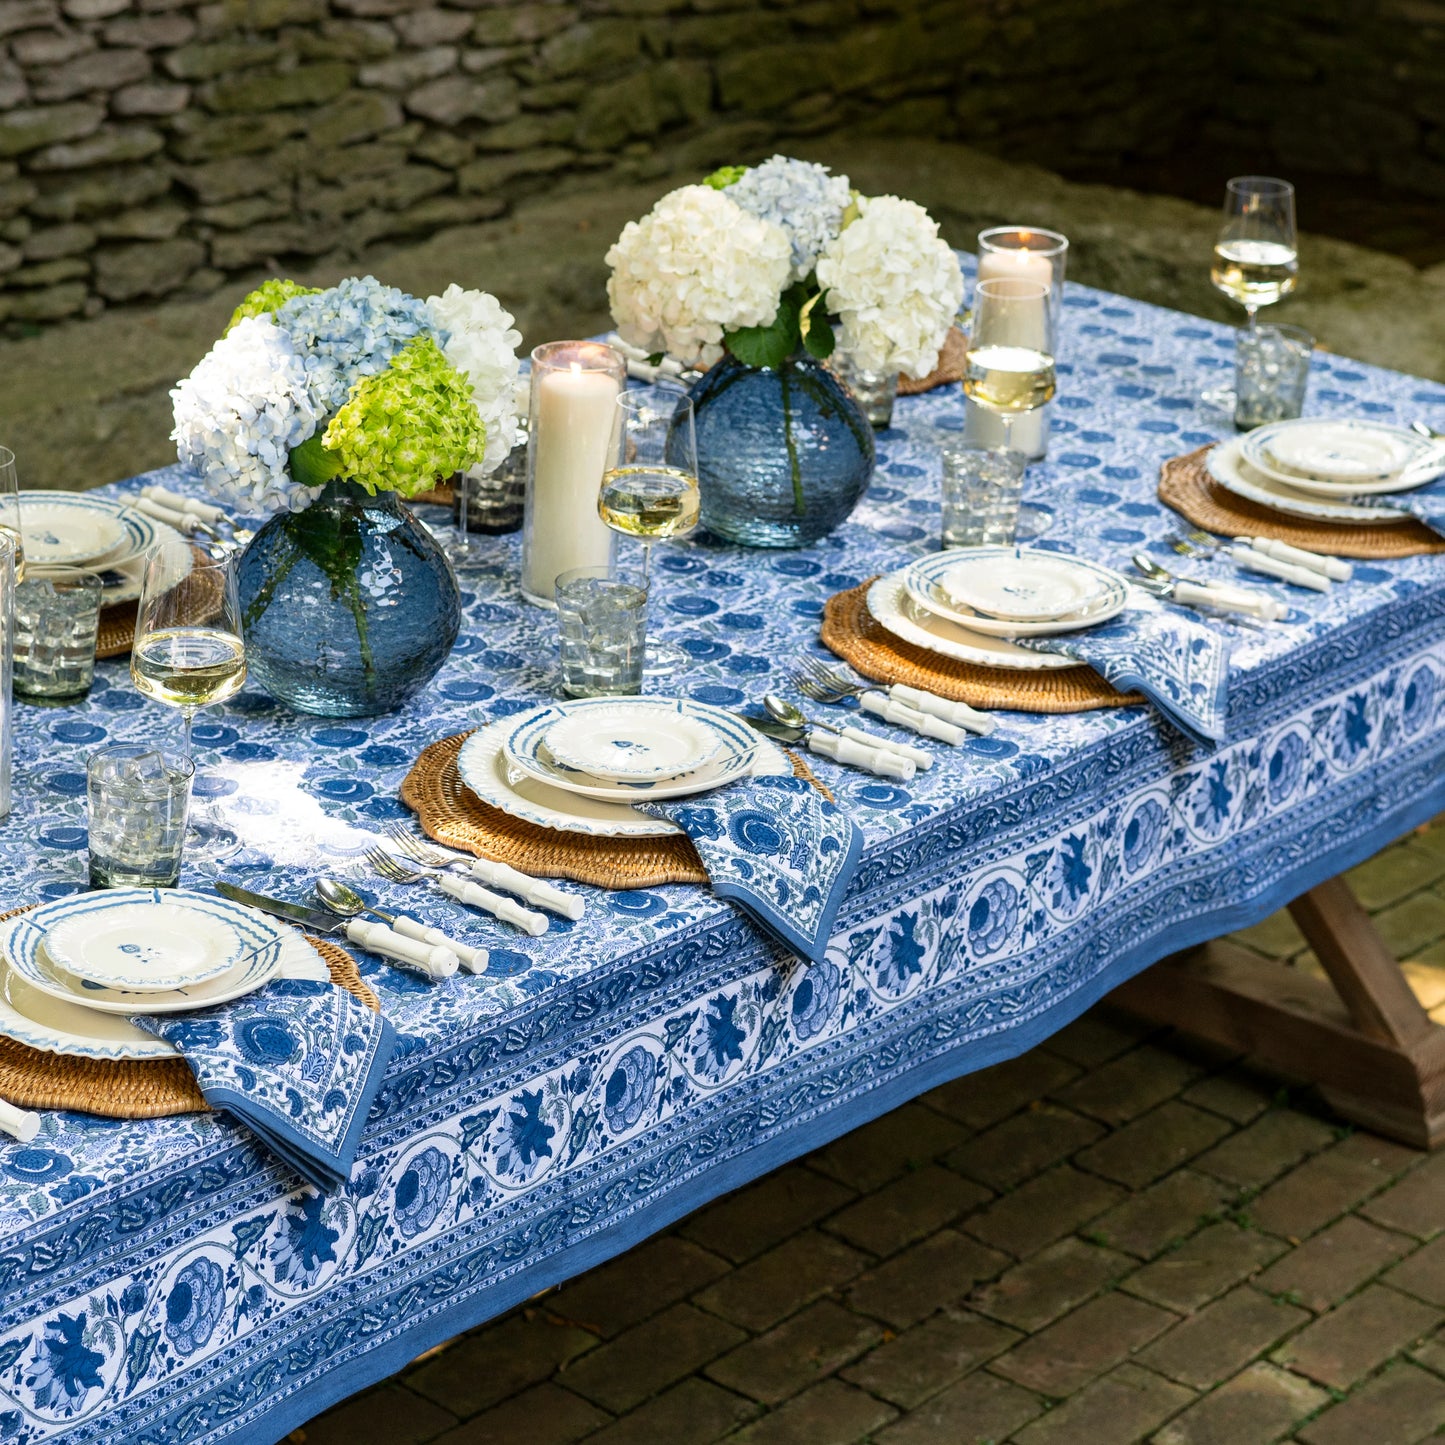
x,y
74,972
1317,468
970,603
101,534
576,767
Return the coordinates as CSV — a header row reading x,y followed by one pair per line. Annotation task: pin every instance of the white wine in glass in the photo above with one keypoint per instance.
x,y
1009,378
1009,366
649,502
1256,257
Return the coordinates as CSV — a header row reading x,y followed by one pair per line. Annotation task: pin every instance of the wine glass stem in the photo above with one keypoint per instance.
x,y
187,715
1249,313
647,563
1008,430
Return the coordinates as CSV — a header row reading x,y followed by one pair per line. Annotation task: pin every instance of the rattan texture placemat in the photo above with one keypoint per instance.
x,y
116,632
850,630
453,815
950,366
1186,486
130,1088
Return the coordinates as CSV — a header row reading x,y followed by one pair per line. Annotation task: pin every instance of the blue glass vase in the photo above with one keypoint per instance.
x,y
349,607
783,453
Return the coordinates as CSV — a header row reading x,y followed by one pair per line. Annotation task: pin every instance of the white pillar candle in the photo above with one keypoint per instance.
x,y
1028,433
1020,265
572,428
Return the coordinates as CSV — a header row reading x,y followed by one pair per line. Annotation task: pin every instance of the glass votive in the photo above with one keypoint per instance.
x,y
139,801
602,624
874,391
1271,372
57,613
982,487
1025,253
492,505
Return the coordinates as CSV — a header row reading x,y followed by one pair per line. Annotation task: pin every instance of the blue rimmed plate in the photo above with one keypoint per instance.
x,y
631,739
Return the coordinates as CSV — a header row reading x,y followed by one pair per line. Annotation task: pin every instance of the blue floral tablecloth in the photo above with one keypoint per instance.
x,y
171,1281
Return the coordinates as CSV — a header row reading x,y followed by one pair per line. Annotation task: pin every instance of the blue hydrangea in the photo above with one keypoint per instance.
x,y
802,198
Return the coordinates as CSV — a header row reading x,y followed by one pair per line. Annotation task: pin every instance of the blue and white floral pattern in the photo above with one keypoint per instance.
x,y
950,950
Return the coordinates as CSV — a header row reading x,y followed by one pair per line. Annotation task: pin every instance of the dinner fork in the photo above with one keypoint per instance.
x,y
498,875
903,702
898,713
470,893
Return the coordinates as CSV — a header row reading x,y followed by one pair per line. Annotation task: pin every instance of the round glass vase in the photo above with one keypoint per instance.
x,y
349,607
783,453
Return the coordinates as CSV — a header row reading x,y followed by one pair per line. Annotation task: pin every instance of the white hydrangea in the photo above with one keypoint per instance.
x,y
895,286
239,413
482,343
696,265
802,198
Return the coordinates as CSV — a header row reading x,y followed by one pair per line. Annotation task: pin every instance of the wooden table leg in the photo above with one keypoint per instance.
x,y
1369,1045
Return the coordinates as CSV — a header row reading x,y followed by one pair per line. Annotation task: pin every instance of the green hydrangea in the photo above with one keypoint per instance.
x,y
269,296
725,176
405,428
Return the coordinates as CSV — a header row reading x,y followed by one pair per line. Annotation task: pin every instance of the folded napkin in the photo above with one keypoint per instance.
x,y
298,1062
777,848
1180,664
1426,503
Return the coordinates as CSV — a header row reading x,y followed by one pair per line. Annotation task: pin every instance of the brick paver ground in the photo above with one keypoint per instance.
x,y
1118,1237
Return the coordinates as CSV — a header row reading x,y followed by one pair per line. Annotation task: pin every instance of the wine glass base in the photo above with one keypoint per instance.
x,y
465,552
664,659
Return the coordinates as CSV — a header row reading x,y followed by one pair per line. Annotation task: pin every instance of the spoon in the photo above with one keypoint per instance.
x,y
1207,597
348,903
792,716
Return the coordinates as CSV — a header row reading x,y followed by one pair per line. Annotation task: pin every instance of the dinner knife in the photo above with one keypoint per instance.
x,y
424,958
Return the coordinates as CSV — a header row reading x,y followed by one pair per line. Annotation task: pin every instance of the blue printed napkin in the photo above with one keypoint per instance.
x,y
777,848
1426,503
1180,664
298,1062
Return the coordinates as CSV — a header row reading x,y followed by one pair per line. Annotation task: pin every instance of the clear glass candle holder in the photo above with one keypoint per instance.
x,y
57,614
1026,253
982,487
602,627
874,391
1271,373
140,798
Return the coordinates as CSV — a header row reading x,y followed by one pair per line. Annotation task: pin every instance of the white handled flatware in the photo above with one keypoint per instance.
x,y
179,503
832,685
536,891
507,909
347,902
1255,561
1335,568
20,1124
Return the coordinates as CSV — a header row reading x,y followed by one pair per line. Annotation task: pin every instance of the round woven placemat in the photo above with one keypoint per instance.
x,y
850,630
1186,486
451,813
949,368
130,1088
116,632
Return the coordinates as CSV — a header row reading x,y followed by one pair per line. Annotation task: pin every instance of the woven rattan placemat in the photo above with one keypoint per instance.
x,y
451,813
850,630
1186,486
116,631
130,1088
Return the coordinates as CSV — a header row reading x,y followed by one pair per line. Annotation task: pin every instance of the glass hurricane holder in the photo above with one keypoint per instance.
x,y
8,553
574,390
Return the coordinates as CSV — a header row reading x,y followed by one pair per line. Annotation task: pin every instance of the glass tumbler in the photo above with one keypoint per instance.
x,y
874,391
1271,372
139,801
981,491
56,617
602,624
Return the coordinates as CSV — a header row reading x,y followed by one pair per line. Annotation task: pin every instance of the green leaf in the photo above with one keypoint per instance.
x,y
311,464
817,329
771,345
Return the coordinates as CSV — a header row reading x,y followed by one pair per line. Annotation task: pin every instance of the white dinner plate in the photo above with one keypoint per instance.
x,y
1020,584
161,942
1228,467
56,1027
923,581
1343,451
65,530
483,766
893,609
630,739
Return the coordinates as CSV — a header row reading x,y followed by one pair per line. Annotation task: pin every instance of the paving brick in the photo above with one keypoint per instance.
x,y
1151,1146
636,1285
1127,1086
766,1289
543,1415
1261,1403
1205,1266
876,1153
1278,936
1166,1213
1083,1345
1021,1146
1048,1207
1323,1187
389,1412
1431,1353
1410,925
1097,1036
1392,875
905,1210
1211,1345
977,1411
1263,1150
831,1413
1417,1203
984,1098
1334,1263
1343,1346
486,1366
765,1213
1423,1274
695,1412
939,1271
921,1361
1238,1094
1403,1402
1053,1282
651,1356
796,1353
1123,1406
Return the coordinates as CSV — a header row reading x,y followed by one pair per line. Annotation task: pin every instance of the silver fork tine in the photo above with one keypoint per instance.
x,y
812,671
810,689
414,848
833,678
388,867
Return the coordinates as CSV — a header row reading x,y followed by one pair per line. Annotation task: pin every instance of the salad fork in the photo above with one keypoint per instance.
x,y
473,894
906,703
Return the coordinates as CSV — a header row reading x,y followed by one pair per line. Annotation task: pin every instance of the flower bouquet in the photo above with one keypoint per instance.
x,y
766,270
326,407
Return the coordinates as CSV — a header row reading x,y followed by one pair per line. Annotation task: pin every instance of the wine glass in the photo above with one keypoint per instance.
x,y
10,509
1009,365
649,490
